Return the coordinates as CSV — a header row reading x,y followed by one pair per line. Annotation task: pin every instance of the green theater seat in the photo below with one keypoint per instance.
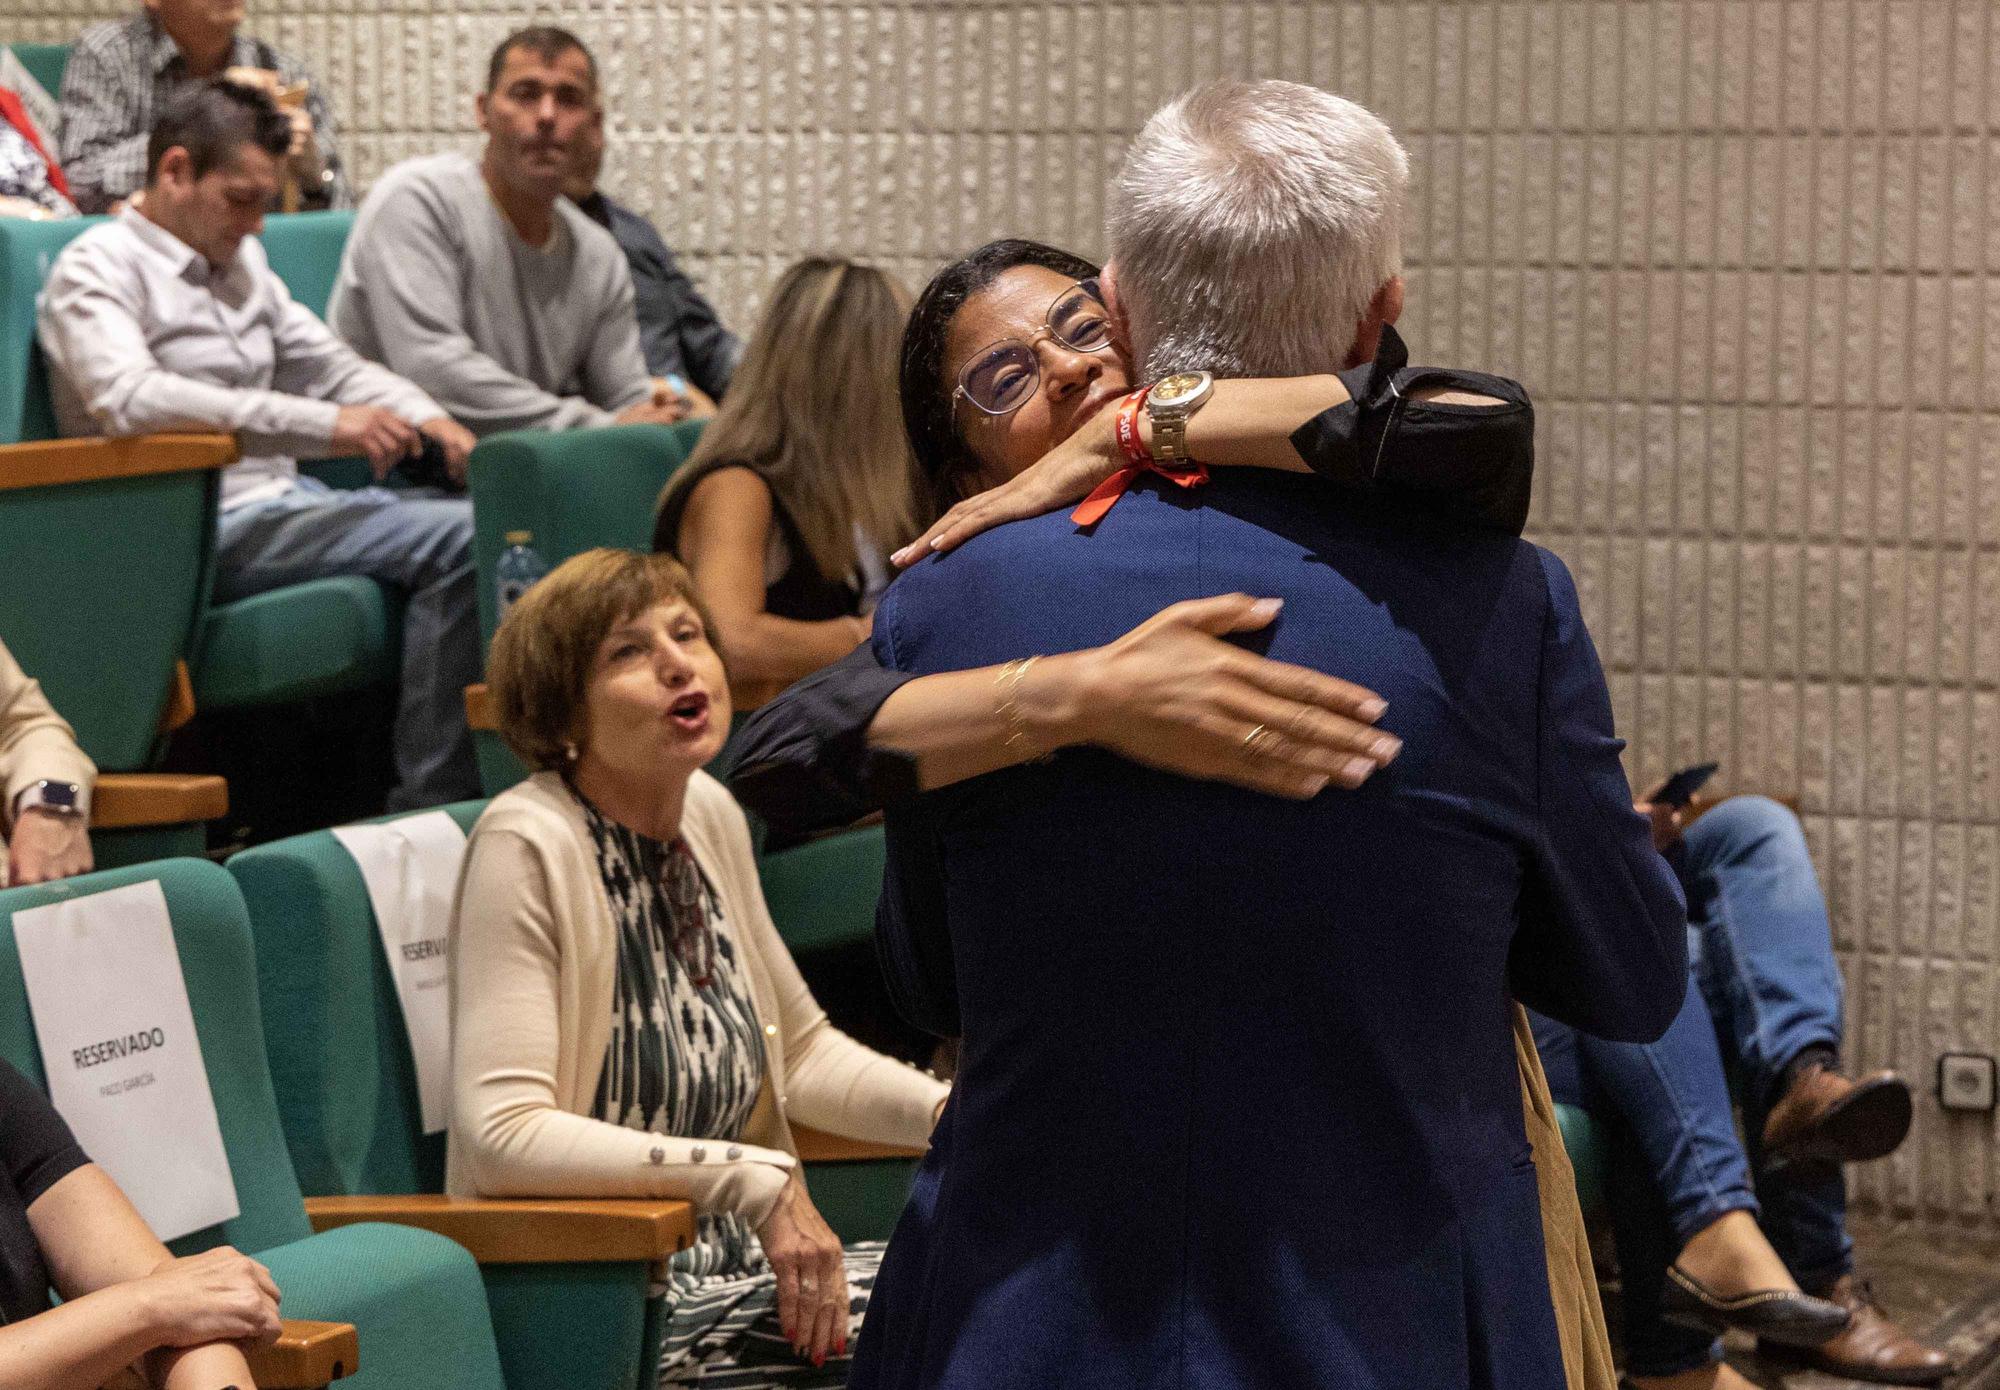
x,y
1584,1141
27,250
347,1092
572,491
326,636
45,62
304,248
414,1297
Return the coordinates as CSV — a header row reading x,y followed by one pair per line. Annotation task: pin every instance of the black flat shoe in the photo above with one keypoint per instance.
x,y
1774,1315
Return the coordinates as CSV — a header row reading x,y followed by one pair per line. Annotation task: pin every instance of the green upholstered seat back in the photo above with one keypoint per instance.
x,y
27,250
304,249
573,490
822,893
45,63
1585,1142
212,932
342,1070
104,587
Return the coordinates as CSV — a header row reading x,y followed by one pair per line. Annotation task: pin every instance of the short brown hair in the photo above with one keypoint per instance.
x,y
540,663
546,41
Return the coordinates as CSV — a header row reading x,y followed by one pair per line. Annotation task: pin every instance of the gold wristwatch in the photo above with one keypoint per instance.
x,y
1169,405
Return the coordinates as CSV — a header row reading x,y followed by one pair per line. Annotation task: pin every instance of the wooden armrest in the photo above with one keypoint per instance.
x,y
94,460
306,1356
817,1146
528,1230
125,799
479,711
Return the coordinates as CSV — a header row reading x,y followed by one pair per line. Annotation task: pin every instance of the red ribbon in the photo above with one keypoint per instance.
x,y
1091,510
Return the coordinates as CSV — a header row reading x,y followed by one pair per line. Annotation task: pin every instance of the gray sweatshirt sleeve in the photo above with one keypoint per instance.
x,y
405,274
615,373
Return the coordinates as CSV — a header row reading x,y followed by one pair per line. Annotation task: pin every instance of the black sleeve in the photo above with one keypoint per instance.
x,y
803,761
910,939
36,1148
679,330
1476,463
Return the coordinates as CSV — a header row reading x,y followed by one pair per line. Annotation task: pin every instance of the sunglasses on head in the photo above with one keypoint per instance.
x,y
1002,376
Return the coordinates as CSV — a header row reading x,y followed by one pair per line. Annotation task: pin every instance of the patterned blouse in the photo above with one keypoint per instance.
x,y
687,1054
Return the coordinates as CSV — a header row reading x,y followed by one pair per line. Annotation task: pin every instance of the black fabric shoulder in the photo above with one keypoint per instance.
x,y
37,1149
1476,463
804,762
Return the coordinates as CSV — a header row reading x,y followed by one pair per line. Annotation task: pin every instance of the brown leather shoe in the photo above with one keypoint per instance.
x,y
1872,1347
1827,1118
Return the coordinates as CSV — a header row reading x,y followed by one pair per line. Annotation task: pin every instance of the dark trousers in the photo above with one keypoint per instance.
x,y
1763,986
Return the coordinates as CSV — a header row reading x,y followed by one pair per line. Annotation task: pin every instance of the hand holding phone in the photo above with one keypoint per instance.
x,y
1680,788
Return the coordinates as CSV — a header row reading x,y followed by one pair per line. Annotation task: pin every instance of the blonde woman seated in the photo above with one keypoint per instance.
x,y
626,1020
787,508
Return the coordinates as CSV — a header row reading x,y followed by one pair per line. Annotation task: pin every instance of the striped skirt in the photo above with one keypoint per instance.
x,y
720,1330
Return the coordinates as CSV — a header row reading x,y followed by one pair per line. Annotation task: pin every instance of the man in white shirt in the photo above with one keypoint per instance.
x,y
169,318
481,283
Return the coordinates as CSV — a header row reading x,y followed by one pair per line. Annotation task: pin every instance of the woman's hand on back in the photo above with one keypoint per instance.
x,y
216,1296
1173,695
1065,474
805,1256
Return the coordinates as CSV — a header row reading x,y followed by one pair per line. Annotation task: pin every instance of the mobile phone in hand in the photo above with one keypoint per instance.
x,y
1680,788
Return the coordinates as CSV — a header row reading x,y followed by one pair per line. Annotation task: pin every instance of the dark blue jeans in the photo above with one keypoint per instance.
x,y
1763,987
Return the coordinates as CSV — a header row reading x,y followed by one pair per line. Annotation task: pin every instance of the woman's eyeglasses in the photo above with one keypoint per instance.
x,y
1000,378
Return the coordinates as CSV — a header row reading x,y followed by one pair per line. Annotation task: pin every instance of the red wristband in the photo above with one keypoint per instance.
x,y
1136,453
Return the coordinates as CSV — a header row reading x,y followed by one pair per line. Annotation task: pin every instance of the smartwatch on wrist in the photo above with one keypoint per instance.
x,y
1169,405
57,798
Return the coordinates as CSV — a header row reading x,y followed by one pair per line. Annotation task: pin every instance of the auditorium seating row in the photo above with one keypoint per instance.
x,y
310,1063
113,614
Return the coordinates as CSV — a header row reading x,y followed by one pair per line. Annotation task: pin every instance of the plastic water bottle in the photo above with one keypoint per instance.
x,y
520,566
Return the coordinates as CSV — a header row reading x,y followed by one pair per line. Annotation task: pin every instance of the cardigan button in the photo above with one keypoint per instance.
x,y
770,1030
734,1152
657,1157
698,1155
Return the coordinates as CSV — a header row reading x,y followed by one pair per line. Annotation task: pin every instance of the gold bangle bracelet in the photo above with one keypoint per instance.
x,y
1007,704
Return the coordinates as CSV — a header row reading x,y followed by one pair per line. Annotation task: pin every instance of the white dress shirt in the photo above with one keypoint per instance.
x,y
143,335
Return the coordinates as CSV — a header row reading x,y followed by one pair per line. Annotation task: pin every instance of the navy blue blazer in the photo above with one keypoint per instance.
x,y
1237,1103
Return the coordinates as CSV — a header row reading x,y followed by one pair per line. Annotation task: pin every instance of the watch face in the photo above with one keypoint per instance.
x,y
1174,389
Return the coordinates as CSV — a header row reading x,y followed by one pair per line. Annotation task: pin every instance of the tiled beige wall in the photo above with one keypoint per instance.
x,y
1745,252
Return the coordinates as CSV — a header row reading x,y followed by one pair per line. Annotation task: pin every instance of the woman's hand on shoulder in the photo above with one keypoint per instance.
x,y
219,1295
806,1257
1065,474
1173,695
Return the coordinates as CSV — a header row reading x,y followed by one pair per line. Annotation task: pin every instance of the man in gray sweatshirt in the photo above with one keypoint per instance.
x,y
481,284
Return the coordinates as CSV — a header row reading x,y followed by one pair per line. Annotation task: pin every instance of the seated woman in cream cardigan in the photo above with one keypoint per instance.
x,y
627,1021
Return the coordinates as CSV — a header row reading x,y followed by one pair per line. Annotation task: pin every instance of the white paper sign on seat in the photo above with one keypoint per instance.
x,y
118,1043
411,869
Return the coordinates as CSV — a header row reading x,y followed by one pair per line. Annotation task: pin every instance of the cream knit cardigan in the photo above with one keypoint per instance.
x,y
533,958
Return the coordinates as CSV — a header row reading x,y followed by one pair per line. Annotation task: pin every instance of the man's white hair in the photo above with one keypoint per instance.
x,y
1251,225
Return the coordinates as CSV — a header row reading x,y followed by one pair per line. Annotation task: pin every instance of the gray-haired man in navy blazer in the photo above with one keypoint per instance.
x,y
1238,1103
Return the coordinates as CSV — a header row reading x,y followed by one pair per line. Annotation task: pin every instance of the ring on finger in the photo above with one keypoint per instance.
x,y
1258,740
